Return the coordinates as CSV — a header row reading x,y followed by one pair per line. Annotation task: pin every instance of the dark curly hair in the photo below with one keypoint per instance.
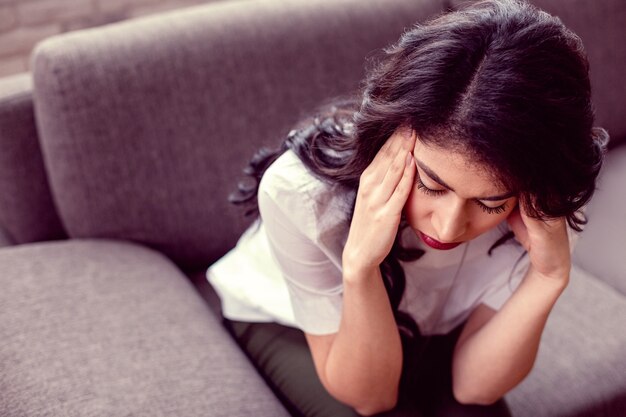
x,y
500,80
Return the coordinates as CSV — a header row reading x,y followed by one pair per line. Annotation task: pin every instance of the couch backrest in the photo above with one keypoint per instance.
x,y
27,212
146,125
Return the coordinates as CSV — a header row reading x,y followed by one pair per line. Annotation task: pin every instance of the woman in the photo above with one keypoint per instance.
x,y
420,237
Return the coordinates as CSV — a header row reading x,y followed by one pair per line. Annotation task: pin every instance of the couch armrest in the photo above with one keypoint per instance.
x,y
579,370
27,212
600,249
5,238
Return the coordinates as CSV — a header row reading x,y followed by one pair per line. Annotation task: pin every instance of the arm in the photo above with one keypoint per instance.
x,y
498,349
361,364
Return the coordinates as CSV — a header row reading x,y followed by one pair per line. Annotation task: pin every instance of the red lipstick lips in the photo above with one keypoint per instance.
x,y
436,244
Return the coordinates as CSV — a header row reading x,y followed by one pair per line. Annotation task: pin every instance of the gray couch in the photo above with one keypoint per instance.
x,y
118,152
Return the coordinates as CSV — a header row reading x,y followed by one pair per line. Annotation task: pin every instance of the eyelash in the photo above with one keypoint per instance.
x,y
435,193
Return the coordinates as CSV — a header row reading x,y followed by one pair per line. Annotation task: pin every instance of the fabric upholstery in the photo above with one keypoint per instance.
x,y
146,125
600,25
5,238
27,212
581,367
106,328
600,249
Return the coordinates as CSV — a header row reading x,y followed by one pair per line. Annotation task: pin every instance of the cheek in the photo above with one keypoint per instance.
x,y
484,222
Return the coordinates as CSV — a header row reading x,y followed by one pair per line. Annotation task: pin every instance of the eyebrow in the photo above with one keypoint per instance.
x,y
439,181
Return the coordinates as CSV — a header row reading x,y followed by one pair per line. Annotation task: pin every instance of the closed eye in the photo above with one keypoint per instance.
x,y
491,210
434,193
425,189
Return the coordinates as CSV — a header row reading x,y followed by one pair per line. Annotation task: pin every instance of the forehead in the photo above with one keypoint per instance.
x,y
460,170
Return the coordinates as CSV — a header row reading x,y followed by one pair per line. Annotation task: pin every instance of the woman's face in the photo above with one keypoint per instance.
x,y
453,199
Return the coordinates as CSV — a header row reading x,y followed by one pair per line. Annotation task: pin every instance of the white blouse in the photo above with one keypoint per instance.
x,y
287,267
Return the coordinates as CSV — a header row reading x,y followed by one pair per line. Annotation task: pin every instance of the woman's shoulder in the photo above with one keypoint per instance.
x,y
308,201
287,175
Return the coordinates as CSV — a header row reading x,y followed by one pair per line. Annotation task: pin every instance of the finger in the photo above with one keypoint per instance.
x,y
405,137
396,169
402,190
528,229
411,141
518,227
553,225
374,175
402,138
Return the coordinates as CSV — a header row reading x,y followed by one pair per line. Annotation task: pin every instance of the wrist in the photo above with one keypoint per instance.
x,y
358,272
557,280
355,264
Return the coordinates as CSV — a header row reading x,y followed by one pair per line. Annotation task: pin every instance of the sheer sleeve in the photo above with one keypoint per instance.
x,y
313,279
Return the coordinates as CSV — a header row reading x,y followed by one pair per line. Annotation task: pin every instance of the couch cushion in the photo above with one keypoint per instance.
x,y
147,124
27,212
602,245
581,367
104,328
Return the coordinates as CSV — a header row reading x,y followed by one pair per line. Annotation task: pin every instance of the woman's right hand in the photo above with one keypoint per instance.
x,y
384,187
361,364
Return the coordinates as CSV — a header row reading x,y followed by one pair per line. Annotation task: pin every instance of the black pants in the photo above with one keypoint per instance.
x,y
283,358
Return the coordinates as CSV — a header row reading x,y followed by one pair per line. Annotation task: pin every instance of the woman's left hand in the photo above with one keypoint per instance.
x,y
547,243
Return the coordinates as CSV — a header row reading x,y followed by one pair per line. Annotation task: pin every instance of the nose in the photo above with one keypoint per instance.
x,y
450,221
